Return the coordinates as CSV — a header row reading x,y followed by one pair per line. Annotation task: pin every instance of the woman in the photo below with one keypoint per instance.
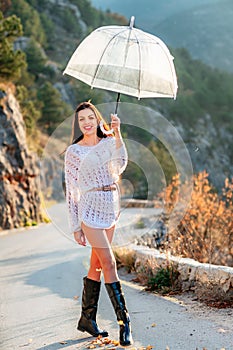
x,y
93,164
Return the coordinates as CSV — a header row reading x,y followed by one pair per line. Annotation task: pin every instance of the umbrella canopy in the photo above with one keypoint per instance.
x,y
125,60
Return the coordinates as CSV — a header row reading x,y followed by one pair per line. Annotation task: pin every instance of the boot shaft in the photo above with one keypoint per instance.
x,y
118,301
90,297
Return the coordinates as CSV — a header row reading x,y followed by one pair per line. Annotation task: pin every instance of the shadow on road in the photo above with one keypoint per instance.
x,y
65,343
30,258
62,279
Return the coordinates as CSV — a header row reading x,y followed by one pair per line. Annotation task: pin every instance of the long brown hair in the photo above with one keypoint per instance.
x,y
76,132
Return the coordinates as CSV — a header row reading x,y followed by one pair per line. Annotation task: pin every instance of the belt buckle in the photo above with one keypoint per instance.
x,y
106,188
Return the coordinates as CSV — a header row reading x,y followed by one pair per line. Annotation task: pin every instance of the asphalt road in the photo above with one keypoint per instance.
x,y
41,282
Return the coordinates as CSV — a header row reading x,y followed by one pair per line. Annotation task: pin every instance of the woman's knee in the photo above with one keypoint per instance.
x,y
109,264
106,259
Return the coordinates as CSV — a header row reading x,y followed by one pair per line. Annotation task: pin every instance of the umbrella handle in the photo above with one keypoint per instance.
x,y
104,131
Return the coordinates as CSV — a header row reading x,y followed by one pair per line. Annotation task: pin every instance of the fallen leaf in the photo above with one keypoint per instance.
x,y
221,330
115,342
26,344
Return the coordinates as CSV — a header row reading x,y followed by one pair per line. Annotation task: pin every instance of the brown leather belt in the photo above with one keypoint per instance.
x,y
112,187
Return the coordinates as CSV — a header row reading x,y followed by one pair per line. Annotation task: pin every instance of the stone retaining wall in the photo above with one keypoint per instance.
x,y
206,280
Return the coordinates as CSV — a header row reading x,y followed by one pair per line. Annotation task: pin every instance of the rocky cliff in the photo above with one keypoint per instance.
x,y
19,168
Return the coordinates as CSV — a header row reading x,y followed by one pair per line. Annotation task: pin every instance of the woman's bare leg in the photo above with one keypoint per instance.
x,y
100,242
95,269
102,254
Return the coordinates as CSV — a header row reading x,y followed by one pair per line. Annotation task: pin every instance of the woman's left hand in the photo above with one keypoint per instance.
x,y
115,123
80,237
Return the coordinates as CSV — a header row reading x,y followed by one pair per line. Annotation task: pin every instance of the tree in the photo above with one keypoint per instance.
x,y
54,110
28,108
11,61
35,58
30,20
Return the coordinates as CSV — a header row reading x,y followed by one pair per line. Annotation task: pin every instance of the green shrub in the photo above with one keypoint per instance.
x,y
11,61
165,280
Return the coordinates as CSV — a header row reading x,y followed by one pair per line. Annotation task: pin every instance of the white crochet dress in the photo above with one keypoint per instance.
x,y
88,167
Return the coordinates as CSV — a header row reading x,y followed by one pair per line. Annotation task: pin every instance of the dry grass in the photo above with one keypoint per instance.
x,y
206,231
125,258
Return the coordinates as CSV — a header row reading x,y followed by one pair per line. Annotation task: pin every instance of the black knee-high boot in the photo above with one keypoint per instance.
x,y
90,298
118,301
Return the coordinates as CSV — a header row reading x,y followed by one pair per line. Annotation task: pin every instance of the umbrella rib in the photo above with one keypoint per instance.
x,y
140,65
98,66
173,73
126,51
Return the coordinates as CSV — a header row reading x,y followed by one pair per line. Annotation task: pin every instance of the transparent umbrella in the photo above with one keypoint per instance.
x,y
125,60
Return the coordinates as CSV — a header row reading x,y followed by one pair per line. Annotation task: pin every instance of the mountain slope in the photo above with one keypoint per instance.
x,y
206,31
204,27
150,12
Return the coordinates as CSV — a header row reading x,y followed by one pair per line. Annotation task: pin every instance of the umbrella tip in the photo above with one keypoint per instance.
x,y
131,24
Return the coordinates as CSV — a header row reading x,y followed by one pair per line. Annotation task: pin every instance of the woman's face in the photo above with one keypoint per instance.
x,y
87,121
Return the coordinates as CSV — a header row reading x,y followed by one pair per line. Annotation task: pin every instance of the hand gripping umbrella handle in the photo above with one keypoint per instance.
x,y
109,132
